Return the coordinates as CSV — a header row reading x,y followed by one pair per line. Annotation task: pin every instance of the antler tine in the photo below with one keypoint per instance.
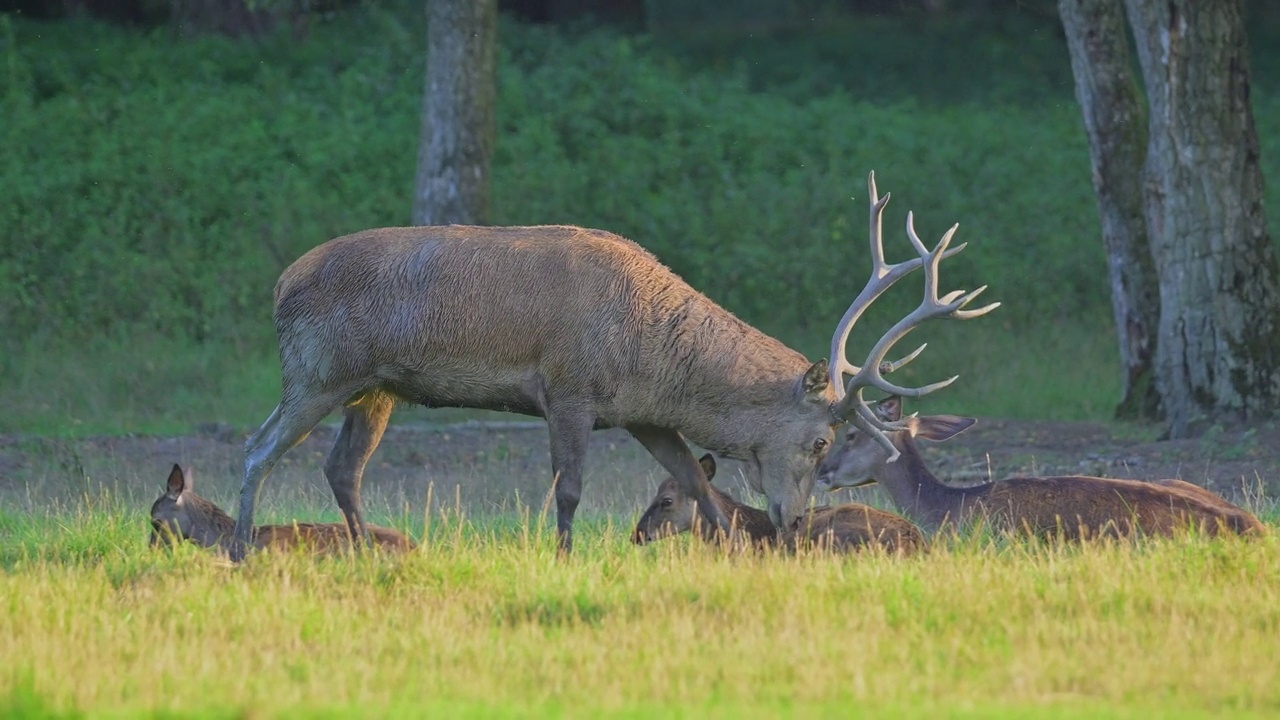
x,y
867,422
850,404
961,314
883,275
887,367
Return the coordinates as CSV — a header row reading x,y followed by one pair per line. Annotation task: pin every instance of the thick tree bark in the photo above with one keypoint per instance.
x,y
1109,96
1218,357
458,116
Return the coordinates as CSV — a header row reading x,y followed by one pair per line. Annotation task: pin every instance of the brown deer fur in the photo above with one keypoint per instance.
x,y
843,528
180,514
1073,506
581,327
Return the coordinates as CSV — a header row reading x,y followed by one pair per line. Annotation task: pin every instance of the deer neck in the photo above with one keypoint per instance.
x,y
719,372
916,491
752,522
210,526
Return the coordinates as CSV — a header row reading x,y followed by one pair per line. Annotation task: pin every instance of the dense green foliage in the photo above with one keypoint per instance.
x,y
151,190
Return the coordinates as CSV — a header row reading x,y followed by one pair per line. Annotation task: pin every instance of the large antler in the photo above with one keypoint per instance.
x,y
849,397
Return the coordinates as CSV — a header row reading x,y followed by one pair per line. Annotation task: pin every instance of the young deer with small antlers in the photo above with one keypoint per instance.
x,y
581,327
845,528
1073,506
180,514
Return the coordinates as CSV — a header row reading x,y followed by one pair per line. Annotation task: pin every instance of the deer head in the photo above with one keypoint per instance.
x,y
858,461
171,520
672,511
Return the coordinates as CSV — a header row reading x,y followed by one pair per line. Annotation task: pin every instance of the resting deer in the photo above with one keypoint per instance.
x,y
843,528
581,327
1073,505
180,514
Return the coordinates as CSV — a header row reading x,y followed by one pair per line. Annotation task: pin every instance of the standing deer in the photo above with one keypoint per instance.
x,y
180,514
581,327
848,527
1074,505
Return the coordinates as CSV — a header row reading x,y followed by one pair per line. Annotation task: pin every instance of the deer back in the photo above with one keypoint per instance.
x,y
1196,491
481,317
854,526
1078,506
326,537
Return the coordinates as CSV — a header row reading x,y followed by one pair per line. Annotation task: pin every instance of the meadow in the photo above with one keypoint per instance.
x,y
151,190
483,620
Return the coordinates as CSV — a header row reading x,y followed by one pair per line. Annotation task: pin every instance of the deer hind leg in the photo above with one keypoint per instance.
x,y
670,450
570,432
362,428
289,424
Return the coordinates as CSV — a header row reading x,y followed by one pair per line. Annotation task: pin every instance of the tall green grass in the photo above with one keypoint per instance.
x,y
484,620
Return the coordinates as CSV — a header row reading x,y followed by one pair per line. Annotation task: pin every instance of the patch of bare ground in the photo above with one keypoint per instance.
x,y
489,467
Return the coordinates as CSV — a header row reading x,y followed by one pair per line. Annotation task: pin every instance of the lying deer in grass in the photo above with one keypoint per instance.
x,y
1073,505
842,528
581,327
180,514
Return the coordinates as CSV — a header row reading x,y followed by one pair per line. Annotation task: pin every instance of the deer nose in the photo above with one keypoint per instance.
x,y
639,537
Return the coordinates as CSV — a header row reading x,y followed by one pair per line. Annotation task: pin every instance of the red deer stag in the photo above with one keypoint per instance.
x,y
581,327
180,514
848,527
1074,506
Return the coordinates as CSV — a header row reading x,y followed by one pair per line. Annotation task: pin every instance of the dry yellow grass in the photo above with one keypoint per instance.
x,y
486,620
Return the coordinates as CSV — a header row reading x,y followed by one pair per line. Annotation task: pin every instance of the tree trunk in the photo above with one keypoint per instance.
x,y
1218,357
1114,120
458,115
236,18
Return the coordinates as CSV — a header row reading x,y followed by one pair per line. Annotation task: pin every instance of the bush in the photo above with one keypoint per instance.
x,y
162,185
156,187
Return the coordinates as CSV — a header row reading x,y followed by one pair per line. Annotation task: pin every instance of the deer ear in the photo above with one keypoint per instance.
x,y
941,427
177,482
889,409
815,378
708,463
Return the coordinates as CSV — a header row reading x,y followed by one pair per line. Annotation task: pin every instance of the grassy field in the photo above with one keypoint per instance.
x,y
484,621
154,188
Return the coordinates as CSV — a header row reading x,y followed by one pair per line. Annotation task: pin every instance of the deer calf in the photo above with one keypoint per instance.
x,y
1073,506
180,514
844,528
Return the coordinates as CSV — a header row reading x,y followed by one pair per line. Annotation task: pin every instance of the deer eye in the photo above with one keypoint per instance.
x,y
819,445
666,502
